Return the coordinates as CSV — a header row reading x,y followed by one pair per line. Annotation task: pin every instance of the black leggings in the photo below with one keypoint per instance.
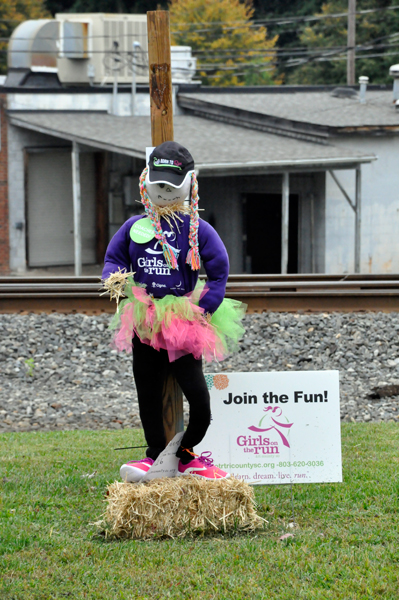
x,y
149,372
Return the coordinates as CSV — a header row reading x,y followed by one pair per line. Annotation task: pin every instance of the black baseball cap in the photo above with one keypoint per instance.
x,y
170,162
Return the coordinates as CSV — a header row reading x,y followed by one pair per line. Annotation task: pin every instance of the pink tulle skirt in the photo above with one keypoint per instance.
x,y
174,324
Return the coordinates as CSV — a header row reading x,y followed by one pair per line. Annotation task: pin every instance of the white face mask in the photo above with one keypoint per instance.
x,y
163,194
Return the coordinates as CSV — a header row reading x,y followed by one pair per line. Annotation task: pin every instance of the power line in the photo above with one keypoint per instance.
x,y
304,51
78,37
232,52
327,54
232,24
361,56
222,52
254,68
288,19
280,20
273,53
221,67
330,55
372,44
296,57
120,35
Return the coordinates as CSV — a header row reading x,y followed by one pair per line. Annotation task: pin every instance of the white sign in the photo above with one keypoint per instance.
x,y
148,152
167,462
278,427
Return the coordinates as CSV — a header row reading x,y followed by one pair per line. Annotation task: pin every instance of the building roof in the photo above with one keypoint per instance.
x,y
217,147
315,107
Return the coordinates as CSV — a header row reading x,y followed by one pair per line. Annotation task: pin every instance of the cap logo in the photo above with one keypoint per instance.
x,y
165,162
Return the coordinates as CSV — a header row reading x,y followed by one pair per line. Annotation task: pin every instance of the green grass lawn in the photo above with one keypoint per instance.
x,y
346,545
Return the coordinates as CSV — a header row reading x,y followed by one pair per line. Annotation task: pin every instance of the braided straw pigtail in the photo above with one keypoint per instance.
x,y
193,257
168,252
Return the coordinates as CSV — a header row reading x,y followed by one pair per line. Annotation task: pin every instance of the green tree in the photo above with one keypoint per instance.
x,y
229,50
377,42
274,12
12,13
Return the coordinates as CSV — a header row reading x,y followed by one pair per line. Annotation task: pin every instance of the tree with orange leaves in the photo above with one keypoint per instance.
x,y
230,48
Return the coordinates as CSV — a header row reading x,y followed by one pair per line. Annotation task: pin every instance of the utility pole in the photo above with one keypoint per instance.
x,y
159,62
350,69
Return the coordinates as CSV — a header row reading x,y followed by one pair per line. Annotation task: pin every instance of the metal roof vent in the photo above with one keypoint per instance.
x,y
344,92
33,45
183,64
394,72
32,54
363,81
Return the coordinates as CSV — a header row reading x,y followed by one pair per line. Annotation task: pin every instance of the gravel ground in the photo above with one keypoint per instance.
x,y
59,372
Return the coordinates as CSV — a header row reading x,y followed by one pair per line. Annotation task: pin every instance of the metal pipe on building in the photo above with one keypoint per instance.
x,y
136,46
394,72
115,94
76,196
116,66
363,81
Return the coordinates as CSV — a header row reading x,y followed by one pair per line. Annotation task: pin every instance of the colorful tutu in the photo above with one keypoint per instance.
x,y
177,324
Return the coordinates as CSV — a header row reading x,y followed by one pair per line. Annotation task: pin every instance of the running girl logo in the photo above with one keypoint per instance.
x,y
156,265
263,445
272,412
170,236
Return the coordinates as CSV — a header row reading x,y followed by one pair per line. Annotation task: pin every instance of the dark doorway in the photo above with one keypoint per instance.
x,y
262,250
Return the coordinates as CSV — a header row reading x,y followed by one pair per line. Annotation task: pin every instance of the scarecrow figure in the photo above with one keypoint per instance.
x,y
168,316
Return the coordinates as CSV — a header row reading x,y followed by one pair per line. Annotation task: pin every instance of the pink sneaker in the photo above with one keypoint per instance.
x,y
134,470
202,466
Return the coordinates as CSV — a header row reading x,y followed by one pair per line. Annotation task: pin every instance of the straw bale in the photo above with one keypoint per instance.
x,y
179,506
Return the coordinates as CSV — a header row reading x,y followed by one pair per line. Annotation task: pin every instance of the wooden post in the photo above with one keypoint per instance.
x,y
159,62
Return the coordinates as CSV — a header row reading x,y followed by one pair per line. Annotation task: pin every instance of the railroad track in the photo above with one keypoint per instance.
x,y
261,292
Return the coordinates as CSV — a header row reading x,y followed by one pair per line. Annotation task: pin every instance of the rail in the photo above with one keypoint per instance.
x,y
299,292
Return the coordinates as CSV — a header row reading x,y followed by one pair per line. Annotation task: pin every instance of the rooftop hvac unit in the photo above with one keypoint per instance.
x,y
94,47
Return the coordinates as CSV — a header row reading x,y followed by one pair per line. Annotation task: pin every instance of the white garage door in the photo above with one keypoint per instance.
x,y
50,209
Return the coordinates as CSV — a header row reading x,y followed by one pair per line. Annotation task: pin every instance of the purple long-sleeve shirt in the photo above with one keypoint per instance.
x,y
149,265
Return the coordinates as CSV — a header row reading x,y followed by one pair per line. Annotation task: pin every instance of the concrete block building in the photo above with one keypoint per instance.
x,y
294,179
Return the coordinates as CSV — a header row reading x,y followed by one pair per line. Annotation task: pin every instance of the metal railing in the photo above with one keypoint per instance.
x,y
299,292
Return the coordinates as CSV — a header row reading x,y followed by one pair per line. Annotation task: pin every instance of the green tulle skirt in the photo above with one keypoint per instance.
x,y
178,324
